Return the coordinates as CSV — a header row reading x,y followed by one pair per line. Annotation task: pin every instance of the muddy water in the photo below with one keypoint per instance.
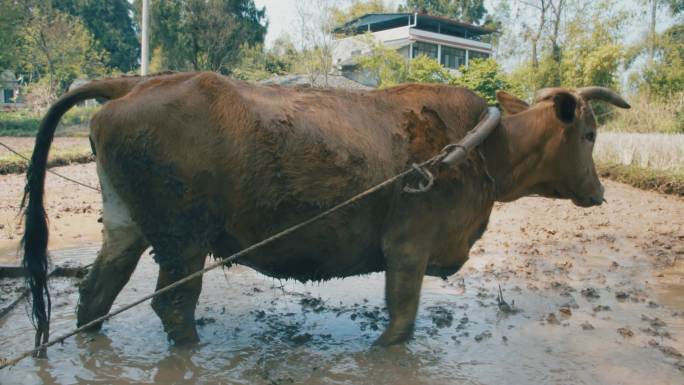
x,y
258,330
593,297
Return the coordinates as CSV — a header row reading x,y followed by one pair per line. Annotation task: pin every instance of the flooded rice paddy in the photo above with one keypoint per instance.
x,y
589,297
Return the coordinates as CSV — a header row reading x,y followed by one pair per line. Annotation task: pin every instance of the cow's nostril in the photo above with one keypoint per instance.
x,y
596,201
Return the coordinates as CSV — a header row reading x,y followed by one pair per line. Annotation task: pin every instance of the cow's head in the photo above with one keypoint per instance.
x,y
564,167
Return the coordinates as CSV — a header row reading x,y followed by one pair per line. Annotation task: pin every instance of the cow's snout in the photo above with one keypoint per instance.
x,y
595,199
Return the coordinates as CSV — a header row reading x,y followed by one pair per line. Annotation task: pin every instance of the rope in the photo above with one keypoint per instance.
x,y
10,149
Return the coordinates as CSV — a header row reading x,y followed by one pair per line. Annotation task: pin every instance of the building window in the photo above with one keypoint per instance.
x,y
8,95
472,55
452,57
427,49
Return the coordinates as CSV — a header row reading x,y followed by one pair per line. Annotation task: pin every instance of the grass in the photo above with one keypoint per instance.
x,y
13,164
648,115
25,123
667,182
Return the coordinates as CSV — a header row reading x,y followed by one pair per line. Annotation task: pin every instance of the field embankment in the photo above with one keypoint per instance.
x,y
25,122
651,161
64,151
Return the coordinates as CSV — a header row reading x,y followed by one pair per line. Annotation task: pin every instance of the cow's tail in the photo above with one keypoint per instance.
x,y
35,239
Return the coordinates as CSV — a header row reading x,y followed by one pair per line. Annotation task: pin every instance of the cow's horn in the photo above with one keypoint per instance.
x,y
604,94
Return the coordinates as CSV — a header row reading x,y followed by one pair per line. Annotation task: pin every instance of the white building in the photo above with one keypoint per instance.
x,y
10,85
454,43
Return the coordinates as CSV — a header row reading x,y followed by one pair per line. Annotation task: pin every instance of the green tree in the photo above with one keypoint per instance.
x,y
112,26
424,69
341,15
592,51
58,48
385,65
665,76
259,64
11,21
204,34
468,10
485,77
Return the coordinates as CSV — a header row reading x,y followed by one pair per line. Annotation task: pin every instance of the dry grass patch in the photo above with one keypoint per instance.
x,y
648,115
650,151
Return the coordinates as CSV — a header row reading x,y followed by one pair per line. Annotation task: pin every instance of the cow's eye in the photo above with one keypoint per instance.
x,y
590,137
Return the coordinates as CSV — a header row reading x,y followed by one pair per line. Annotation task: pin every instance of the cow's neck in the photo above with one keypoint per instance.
x,y
514,153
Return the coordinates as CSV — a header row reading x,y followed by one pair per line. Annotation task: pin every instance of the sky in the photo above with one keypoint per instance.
x,y
281,15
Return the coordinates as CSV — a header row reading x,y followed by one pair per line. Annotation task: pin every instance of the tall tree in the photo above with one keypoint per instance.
x,y
533,31
357,8
665,75
593,50
472,11
112,26
11,21
57,47
557,8
204,34
315,29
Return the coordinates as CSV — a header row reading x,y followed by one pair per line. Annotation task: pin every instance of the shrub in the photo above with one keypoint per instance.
x,y
485,77
424,69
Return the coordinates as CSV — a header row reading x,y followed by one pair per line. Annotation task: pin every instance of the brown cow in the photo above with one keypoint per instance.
x,y
196,163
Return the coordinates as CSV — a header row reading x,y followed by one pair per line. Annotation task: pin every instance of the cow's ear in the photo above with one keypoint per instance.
x,y
565,105
510,104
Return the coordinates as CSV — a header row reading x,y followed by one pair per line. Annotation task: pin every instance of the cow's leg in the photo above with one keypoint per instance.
x,y
120,253
122,246
405,267
176,308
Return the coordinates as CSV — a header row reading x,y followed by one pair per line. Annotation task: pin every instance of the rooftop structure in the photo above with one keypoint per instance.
x,y
453,43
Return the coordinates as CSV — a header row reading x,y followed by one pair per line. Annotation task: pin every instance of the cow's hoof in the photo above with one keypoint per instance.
x,y
184,337
85,316
389,338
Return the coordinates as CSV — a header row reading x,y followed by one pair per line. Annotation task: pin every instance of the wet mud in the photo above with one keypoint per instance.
x,y
552,294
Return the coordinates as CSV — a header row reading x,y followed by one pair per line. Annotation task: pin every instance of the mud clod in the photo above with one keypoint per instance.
x,y
483,336
599,308
666,350
587,326
590,293
301,339
312,304
441,317
551,319
565,311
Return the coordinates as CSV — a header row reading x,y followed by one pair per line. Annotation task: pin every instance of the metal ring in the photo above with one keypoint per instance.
x,y
425,173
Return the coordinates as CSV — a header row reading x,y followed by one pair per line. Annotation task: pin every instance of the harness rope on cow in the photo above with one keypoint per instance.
x,y
450,155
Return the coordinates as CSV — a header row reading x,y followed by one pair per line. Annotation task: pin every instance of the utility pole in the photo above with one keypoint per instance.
x,y
145,41
652,32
